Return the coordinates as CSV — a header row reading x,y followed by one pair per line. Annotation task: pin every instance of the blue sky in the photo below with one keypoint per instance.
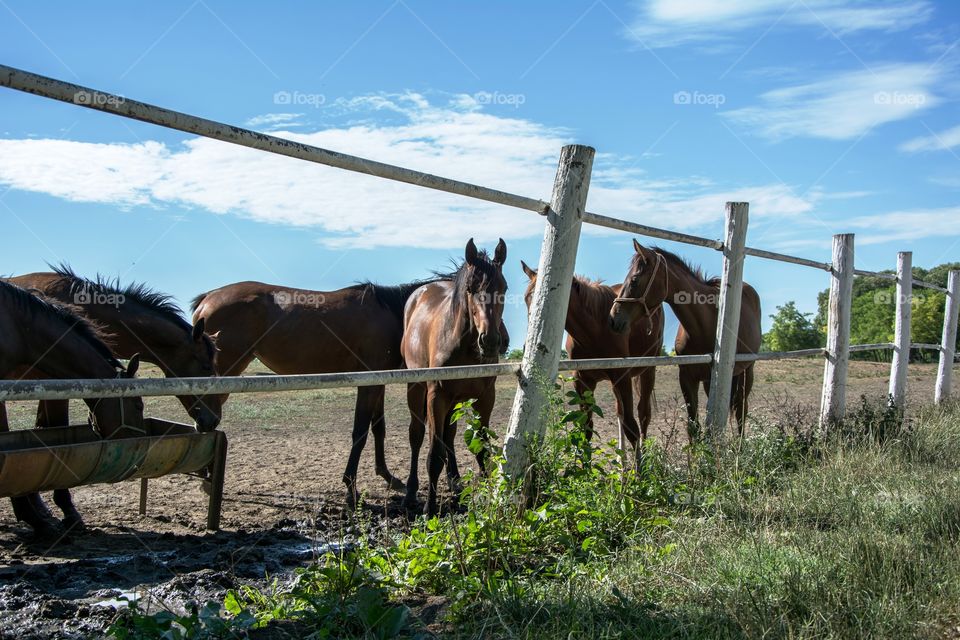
x,y
829,116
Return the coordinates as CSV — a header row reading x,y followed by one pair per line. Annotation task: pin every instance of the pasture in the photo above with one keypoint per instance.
x,y
284,494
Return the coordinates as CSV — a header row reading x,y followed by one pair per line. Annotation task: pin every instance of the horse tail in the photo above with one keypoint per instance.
x,y
196,302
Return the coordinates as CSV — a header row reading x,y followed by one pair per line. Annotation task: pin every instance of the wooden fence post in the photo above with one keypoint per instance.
x,y
901,341
548,311
833,399
728,319
948,345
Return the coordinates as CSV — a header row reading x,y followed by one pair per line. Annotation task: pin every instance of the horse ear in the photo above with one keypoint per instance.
x,y
531,273
500,253
471,253
132,366
637,247
198,329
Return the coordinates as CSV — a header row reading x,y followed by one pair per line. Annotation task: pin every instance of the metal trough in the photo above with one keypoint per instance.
x,y
34,460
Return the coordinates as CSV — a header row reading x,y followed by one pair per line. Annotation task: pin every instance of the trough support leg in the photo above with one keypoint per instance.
x,y
143,496
217,471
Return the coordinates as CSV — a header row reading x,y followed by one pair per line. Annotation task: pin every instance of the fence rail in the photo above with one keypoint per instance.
x,y
558,253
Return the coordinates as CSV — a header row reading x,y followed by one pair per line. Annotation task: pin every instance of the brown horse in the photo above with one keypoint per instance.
x,y
42,339
589,336
295,331
452,322
139,320
656,276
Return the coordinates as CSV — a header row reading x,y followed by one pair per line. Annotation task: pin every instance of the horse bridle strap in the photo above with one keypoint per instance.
x,y
642,300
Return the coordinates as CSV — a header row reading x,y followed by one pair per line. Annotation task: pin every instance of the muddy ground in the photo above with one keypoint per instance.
x,y
283,501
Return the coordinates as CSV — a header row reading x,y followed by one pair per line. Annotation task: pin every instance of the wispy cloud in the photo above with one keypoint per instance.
x,y
456,139
913,224
669,23
935,142
270,121
842,106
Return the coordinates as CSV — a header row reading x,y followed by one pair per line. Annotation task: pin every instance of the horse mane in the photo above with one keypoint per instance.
x,y
483,266
38,305
681,263
595,296
391,297
138,292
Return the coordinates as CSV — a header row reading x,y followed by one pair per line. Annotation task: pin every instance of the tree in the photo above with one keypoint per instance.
x,y
792,330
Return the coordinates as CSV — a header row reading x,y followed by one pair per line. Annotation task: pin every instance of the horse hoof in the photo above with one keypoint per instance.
x,y
396,484
47,528
73,523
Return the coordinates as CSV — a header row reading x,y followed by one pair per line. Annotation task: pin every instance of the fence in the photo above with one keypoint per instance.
x,y
564,215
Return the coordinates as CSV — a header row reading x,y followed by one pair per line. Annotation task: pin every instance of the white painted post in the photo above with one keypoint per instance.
x,y
548,311
833,399
728,319
901,340
948,345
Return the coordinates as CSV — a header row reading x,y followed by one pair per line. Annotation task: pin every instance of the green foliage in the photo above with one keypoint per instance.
x,y
792,330
336,597
514,354
198,623
874,311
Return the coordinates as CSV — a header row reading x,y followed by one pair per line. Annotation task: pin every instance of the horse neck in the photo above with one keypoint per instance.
x,y
61,352
698,314
136,329
583,325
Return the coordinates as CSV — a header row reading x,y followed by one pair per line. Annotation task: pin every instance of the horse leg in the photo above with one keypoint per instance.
x,y
379,428
24,507
484,407
623,392
417,404
643,385
453,467
437,410
742,384
363,411
4,424
56,413
690,388
582,385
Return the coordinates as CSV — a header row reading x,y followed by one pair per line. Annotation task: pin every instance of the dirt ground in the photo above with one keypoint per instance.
x,y
283,501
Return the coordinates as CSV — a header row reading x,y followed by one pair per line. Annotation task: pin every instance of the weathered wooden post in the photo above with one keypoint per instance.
x,y
548,311
728,319
833,400
948,345
901,341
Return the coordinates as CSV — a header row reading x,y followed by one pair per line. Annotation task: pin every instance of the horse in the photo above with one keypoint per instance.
x,y
452,322
139,320
42,339
296,331
656,276
589,336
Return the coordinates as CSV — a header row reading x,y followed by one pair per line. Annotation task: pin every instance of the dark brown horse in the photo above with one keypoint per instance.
x,y
139,320
295,331
589,336
452,322
656,276
42,339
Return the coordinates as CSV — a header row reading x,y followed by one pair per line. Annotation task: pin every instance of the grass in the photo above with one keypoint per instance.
x,y
785,534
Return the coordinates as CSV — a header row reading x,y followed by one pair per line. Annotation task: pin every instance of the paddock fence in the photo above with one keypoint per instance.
x,y
564,215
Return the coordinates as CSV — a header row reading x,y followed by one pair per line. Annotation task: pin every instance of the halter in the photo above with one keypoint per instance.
x,y
642,300
92,415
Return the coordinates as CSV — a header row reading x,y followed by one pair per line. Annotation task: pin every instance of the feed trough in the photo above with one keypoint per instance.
x,y
34,460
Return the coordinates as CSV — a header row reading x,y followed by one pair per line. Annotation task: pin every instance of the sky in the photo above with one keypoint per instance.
x,y
828,116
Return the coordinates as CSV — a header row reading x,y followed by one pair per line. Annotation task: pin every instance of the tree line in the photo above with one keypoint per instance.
x,y
873,316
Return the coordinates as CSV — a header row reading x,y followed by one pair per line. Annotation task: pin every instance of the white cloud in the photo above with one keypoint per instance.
x,y
842,106
455,140
936,142
274,120
668,23
907,225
